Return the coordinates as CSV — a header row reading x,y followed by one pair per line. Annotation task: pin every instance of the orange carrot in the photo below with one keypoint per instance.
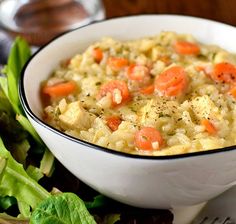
x,y
110,87
209,127
224,72
147,90
148,138
116,63
137,72
186,48
172,82
113,122
97,54
232,91
60,89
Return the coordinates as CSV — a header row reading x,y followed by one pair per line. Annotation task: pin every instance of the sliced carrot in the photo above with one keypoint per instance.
x,y
232,91
137,72
210,128
147,90
60,89
224,72
113,122
186,48
117,63
97,54
115,87
148,138
172,82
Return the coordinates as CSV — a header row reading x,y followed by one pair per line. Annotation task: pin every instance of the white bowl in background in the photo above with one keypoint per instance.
x,y
148,182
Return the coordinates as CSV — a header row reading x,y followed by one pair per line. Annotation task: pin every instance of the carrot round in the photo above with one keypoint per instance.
x,y
224,72
232,91
97,54
117,63
186,48
60,89
148,138
137,72
209,127
147,90
172,82
118,90
113,122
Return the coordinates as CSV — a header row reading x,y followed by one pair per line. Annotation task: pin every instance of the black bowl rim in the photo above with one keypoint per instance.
x,y
30,113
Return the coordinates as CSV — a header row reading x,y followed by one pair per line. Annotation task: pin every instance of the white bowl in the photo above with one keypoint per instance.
x,y
150,182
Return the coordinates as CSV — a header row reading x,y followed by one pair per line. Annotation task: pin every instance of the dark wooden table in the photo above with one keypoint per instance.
x,y
219,10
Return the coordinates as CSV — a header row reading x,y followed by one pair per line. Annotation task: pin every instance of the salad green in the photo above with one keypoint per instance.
x,y
62,208
18,178
14,181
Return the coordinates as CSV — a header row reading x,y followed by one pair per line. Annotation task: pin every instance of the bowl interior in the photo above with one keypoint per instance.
x,y
47,59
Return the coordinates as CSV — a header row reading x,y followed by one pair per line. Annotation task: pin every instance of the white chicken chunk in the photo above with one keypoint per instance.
x,y
204,107
158,108
76,117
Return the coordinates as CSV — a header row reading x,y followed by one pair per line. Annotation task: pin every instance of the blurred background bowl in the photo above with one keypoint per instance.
x,y
38,21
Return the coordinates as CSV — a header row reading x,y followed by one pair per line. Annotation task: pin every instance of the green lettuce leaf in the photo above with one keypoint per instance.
x,y
11,130
47,163
7,219
7,202
19,54
65,208
111,219
34,172
98,201
4,86
20,151
15,182
28,127
5,106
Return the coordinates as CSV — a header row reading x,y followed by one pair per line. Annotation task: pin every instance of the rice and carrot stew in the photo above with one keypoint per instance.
x,y
161,95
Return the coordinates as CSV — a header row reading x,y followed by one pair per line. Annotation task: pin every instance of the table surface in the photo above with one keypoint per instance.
x,y
219,10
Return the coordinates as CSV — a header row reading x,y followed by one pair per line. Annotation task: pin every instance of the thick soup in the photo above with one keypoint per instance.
x,y
161,95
